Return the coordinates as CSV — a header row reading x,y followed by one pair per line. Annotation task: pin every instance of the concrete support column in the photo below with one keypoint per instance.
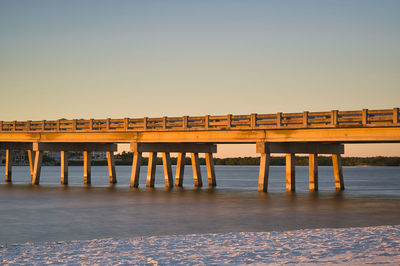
x,y
87,172
265,159
198,182
111,167
180,167
37,167
151,169
30,159
64,167
169,180
210,170
313,171
8,166
290,172
137,161
338,171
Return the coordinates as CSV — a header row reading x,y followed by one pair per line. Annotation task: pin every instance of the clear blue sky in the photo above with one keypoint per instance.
x,y
83,59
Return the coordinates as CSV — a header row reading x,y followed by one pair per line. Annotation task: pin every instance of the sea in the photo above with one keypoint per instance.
x,y
53,212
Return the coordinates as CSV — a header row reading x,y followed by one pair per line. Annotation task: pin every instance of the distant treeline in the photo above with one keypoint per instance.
x,y
125,158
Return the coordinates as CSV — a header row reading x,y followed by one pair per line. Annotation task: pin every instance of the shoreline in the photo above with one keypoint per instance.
x,y
355,245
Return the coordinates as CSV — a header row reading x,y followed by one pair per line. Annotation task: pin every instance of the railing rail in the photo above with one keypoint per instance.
x,y
335,118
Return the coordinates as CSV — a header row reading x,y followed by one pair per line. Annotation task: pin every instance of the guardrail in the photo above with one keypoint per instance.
x,y
335,118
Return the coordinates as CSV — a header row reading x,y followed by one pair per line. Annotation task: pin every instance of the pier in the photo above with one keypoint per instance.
x,y
311,133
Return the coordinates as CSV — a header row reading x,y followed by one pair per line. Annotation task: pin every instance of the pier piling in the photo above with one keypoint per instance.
x,y
87,169
290,172
8,166
313,171
338,171
136,163
151,169
180,167
64,167
111,167
198,182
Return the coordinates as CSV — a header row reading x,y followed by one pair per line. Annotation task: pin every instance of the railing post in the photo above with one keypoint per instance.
x,y
126,124
74,125
58,125
305,119
207,121
334,118
28,125
278,119
228,121
253,119
364,117
43,125
1,125
108,124
91,124
395,116
164,122
185,122
145,123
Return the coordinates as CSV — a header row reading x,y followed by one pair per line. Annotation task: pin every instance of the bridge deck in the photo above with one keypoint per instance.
x,y
334,126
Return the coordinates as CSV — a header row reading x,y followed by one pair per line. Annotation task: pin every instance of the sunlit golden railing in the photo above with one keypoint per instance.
x,y
335,118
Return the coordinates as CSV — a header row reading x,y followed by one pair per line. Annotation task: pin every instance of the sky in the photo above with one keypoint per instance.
x,y
99,59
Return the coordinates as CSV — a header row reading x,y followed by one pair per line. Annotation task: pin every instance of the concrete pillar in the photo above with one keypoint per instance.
x,y
198,182
290,172
338,171
210,170
137,161
87,172
151,169
111,167
313,171
169,180
180,167
64,167
8,166
37,167
30,155
265,159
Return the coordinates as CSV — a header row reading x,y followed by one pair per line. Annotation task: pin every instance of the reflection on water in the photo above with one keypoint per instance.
x,y
55,212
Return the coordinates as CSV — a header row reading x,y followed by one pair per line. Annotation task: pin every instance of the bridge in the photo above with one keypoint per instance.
x,y
310,133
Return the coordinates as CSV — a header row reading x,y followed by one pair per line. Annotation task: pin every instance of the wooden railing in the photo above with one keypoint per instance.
x,y
362,118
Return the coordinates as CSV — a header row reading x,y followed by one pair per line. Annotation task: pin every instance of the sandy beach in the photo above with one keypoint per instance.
x,y
360,245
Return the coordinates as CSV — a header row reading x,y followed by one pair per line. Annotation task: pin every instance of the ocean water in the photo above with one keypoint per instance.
x,y
51,212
